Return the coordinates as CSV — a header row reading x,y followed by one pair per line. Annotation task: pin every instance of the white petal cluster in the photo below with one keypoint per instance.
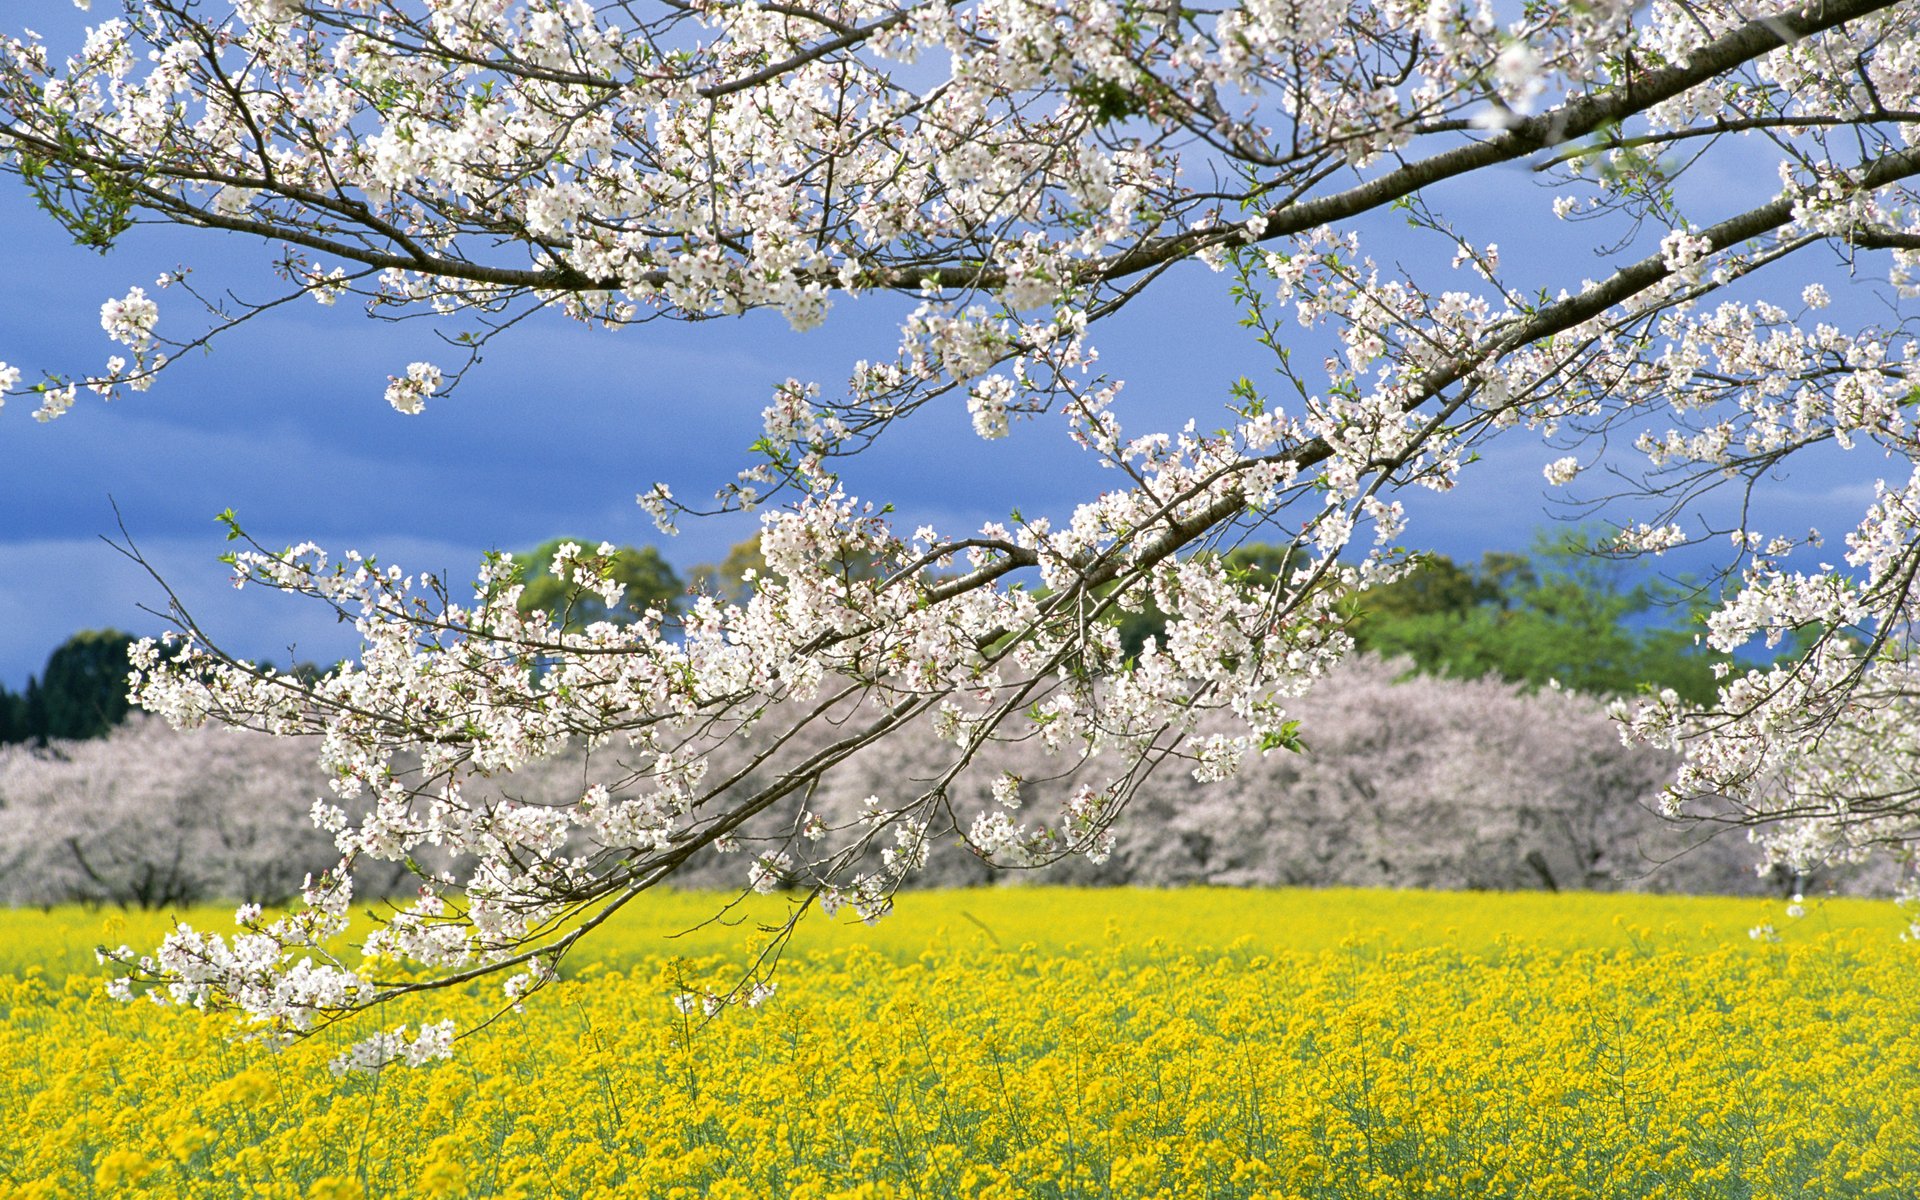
x,y
433,1043
130,319
408,393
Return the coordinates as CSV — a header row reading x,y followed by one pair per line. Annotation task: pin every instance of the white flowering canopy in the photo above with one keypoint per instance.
x,y
1018,170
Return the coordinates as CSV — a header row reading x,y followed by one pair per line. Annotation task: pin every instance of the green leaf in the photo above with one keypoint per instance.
x,y
1287,737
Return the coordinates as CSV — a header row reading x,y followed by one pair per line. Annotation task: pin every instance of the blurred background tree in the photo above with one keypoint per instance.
x,y
727,580
1561,613
649,579
82,693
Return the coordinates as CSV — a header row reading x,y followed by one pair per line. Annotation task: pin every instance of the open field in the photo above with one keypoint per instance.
x,y
1043,1043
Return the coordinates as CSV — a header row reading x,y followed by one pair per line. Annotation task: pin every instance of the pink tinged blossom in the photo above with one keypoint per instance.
x,y
408,393
130,319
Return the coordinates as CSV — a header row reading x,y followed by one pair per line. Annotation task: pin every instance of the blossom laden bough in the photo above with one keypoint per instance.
x,y
1016,171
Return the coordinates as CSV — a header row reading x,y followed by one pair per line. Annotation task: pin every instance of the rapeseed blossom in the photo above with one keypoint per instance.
x,y
1048,1043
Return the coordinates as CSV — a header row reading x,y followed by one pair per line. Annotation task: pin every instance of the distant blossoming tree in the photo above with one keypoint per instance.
x,y
1411,781
1016,171
148,817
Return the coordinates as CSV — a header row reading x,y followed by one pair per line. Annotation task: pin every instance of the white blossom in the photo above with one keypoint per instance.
x,y
408,393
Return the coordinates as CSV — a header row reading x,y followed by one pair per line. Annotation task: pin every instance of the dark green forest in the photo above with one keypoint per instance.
x,y
81,693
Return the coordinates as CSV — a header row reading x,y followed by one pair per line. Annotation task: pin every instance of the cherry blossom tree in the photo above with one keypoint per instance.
x,y
148,817
1410,781
1016,171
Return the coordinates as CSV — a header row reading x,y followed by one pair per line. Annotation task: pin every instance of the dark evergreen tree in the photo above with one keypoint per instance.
x,y
13,717
82,693
33,710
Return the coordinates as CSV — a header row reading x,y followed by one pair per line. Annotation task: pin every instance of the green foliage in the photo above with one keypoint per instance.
x,y
85,685
1558,613
90,200
82,693
1287,737
1561,614
13,718
727,579
1437,585
650,582
1108,100
1256,563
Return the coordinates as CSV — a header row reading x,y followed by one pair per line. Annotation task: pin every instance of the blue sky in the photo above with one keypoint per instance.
x,y
555,432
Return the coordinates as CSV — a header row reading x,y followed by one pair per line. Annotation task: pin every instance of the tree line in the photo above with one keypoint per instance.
x,y
1404,780
1557,614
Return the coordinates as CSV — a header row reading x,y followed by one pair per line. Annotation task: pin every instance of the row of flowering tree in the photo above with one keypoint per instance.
x,y
1017,171
1411,781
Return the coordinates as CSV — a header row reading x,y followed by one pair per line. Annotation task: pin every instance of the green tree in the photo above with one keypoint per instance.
x,y
83,692
1436,586
13,717
1258,562
649,579
727,579
1561,613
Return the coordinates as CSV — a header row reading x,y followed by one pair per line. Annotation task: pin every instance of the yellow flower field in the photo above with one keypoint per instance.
x,y
1041,1043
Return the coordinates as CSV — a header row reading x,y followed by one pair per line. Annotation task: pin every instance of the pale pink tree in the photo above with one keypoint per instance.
x,y
1016,171
1417,781
151,817
1405,780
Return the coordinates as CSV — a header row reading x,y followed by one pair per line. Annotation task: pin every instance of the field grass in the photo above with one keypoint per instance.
x,y
1029,1042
